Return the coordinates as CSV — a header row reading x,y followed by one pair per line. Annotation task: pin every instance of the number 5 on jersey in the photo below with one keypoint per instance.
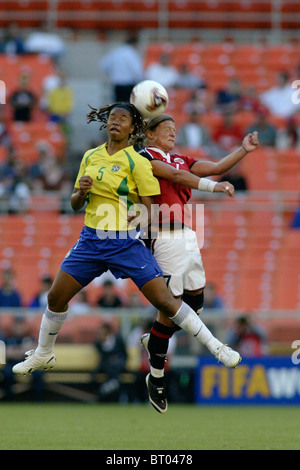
x,y
99,178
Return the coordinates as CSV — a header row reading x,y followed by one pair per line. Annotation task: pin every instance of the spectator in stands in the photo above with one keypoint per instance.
x,y
50,82
45,41
23,100
194,134
201,101
60,100
237,179
124,68
5,139
163,72
52,176
250,100
266,130
17,342
79,304
36,169
288,137
278,99
295,223
12,42
188,80
296,219
228,134
14,186
9,295
40,300
211,299
247,338
109,298
230,97
113,357
134,301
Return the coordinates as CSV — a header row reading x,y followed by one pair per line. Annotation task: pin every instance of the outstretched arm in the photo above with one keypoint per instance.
x,y
189,180
207,168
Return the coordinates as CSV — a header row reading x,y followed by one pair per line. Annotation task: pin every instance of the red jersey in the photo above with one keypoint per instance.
x,y
174,197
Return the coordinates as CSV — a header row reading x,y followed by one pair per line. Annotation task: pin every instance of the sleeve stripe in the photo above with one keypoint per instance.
x,y
145,153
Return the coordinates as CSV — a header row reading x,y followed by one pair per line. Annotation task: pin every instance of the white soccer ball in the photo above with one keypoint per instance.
x,y
150,98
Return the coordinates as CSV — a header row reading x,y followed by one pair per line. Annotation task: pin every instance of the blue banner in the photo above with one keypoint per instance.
x,y
267,380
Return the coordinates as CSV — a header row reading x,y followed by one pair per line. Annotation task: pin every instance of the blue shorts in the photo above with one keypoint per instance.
x,y
124,256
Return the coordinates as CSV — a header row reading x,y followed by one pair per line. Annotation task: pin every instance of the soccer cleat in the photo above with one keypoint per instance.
x,y
144,342
228,356
157,396
34,362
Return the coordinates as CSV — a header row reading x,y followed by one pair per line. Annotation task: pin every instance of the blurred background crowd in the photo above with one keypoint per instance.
x,y
228,72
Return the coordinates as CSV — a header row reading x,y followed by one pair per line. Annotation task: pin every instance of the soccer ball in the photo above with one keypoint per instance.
x,y
150,98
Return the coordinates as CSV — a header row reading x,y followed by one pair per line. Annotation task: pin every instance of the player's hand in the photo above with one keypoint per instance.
x,y
251,142
85,184
224,187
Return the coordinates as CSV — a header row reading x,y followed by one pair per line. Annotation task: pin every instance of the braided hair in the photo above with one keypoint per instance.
x,y
102,114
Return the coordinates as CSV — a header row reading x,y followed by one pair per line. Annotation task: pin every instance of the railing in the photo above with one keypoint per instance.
x,y
273,15
217,320
277,201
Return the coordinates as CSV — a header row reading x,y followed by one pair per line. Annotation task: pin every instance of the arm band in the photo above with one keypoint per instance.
x,y
206,185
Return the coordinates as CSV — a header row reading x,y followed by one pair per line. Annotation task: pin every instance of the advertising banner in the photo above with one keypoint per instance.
x,y
267,380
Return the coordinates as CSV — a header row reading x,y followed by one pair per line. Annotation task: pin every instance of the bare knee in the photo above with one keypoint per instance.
x,y
167,305
55,304
64,288
158,294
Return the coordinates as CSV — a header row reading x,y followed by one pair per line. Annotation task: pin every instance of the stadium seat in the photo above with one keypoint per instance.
x,y
37,66
286,289
27,138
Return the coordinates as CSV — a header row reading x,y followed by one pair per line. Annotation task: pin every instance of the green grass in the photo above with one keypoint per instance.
x,y
139,427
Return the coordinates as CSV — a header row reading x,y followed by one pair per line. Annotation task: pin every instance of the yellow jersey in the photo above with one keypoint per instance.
x,y
61,101
118,182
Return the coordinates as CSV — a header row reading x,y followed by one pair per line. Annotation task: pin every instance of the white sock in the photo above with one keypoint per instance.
x,y
50,325
189,321
158,373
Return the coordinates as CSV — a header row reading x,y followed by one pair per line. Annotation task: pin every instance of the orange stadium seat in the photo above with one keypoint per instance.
x,y
287,289
124,14
114,15
289,10
29,13
249,291
28,137
261,170
37,66
251,53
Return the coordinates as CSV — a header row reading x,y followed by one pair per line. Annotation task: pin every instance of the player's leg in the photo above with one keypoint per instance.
x,y
195,299
64,288
185,318
171,257
156,342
